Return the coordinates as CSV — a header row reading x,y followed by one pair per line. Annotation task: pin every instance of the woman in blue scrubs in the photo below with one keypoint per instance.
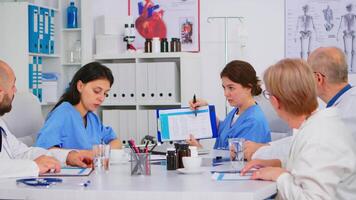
x,y
72,124
246,120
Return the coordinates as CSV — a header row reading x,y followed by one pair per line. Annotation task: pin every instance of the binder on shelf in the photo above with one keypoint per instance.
x,y
131,89
152,82
127,82
142,123
152,123
39,78
142,82
167,85
35,76
33,12
172,82
124,126
160,69
51,32
31,72
113,95
132,126
44,34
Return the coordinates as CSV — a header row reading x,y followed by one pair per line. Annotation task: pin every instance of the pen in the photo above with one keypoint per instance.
x,y
154,146
194,101
248,173
146,146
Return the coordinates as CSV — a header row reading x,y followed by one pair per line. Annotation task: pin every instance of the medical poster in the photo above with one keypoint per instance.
x,y
166,19
314,23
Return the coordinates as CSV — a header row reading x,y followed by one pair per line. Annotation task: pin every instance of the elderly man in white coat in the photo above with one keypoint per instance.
x,y
330,69
18,160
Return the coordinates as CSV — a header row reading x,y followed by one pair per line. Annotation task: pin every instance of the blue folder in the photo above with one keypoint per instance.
x,y
163,133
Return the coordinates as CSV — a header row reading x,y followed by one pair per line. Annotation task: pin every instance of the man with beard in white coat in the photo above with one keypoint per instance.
x,y
18,160
330,69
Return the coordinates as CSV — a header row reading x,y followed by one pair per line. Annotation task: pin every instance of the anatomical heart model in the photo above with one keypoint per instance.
x,y
150,22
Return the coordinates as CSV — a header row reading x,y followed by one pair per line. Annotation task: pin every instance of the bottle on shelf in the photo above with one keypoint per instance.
x,y
74,55
77,48
72,16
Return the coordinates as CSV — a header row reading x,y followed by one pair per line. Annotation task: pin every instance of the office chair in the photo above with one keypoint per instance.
x,y
25,118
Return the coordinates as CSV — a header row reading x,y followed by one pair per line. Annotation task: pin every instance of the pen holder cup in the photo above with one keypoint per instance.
x,y
140,163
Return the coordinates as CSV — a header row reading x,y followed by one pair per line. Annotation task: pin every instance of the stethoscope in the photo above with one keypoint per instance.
x,y
39,181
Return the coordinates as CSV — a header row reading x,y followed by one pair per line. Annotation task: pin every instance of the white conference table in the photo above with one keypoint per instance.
x,y
117,183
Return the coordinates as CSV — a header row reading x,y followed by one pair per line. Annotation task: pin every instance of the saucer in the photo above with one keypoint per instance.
x,y
195,171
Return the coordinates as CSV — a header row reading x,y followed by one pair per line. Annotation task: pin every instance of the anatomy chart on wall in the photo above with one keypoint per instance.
x,y
167,19
314,23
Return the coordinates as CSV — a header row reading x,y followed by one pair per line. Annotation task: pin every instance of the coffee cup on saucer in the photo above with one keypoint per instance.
x,y
192,163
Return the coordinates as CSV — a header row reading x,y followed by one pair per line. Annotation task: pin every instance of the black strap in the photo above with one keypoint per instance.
x,y
1,131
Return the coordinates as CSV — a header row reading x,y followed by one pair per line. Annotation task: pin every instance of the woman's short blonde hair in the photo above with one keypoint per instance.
x,y
292,82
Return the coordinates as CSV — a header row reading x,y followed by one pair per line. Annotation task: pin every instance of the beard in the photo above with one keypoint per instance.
x,y
6,106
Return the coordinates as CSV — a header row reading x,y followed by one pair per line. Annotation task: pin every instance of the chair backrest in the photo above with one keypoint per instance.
x,y
25,119
279,128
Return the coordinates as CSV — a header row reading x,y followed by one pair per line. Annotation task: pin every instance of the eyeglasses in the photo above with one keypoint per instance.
x,y
266,94
321,74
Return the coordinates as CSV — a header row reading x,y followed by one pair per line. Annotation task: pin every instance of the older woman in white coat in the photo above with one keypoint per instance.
x,y
322,158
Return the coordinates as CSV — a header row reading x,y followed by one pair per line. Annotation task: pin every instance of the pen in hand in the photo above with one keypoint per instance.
x,y
195,101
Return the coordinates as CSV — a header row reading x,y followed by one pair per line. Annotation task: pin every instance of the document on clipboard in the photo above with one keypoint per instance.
x,y
70,171
178,124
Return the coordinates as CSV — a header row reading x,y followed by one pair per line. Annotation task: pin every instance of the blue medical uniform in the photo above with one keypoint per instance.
x,y
64,127
251,125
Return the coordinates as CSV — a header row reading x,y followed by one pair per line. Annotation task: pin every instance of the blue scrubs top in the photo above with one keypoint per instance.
x,y
251,125
64,127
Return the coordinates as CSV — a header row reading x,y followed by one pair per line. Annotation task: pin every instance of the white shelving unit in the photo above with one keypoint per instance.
x,y
135,117
15,34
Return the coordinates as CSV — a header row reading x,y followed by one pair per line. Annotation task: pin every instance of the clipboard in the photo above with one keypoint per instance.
x,y
178,124
70,171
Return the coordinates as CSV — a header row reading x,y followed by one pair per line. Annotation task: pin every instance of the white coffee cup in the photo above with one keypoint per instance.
x,y
192,163
118,156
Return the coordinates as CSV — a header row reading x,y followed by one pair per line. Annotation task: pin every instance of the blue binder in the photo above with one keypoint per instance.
x,y
33,12
35,76
44,30
31,72
39,78
51,31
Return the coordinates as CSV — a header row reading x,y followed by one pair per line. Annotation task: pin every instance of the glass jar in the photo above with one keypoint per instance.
x,y
183,151
171,159
174,45
179,45
148,45
164,45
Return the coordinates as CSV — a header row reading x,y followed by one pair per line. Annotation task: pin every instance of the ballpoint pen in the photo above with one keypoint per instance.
x,y
194,101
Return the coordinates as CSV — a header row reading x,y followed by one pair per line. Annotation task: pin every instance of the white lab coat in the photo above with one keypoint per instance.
x,y
16,159
279,149
322,160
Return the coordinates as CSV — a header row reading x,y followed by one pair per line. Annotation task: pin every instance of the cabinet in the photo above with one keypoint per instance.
x,y
144,83
16,35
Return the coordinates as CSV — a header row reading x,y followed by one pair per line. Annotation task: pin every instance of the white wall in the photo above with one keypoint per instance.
x,y
264,21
